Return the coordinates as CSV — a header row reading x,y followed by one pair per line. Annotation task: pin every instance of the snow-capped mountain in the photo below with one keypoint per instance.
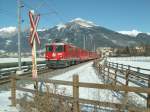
x,y
83,23
8,32
60,26
9,29
78,21
132,33
76,31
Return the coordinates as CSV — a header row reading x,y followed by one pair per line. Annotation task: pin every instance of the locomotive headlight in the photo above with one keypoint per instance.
x,y
60,55
54,54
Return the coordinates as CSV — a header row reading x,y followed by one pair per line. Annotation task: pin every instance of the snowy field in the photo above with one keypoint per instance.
x,y
86,74
11,60
142,62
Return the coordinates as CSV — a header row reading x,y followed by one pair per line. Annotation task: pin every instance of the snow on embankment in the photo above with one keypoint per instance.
x,y
11,60
142,62
5,102
86,74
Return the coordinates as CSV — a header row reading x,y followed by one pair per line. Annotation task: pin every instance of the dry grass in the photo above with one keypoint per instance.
x,y
45,103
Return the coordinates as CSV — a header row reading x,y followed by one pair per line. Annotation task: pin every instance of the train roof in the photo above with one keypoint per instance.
x,y
55,43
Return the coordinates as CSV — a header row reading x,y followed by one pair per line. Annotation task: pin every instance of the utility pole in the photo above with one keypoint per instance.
x,y
91,38
19,36
84,42
94,46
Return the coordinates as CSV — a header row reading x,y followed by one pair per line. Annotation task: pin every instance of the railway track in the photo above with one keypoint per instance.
x,y
6,78
42,72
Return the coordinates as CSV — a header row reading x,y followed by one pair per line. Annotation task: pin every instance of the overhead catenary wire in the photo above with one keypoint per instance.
x,y
43,4
7,13
51,9
54,10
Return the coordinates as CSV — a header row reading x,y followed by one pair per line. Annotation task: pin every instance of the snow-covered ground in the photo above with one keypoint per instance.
x,y
86,74
5,102
142,62
11,60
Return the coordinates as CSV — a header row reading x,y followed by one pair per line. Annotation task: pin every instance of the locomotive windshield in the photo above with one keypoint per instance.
x,y
49,48
55,48
59,48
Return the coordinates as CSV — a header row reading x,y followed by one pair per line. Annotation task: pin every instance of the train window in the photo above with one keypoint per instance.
x,y
49,48
59,48
70,49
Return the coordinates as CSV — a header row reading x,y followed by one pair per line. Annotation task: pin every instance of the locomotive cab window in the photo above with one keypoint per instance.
x,y
49,48
59,48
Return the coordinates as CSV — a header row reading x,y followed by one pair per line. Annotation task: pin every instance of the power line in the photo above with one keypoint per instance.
x,y
61,14
38,7
7,13
44,4
27,6
48,13
53,10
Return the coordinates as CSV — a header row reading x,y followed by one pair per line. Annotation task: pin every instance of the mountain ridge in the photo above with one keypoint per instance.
x,y
77,31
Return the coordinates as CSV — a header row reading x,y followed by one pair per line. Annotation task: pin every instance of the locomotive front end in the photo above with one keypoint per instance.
x,y
55,54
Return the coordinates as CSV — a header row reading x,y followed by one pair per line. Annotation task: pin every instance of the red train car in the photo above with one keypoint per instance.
x,y
62,54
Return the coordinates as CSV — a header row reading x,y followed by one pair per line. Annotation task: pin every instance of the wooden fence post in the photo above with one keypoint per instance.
x,y
103,72
13,91
138,69
117,66
129,67
108,74
112,65
121,67
36,87
109,64
76,93
115,78
148,96
127,77
100,68
125,100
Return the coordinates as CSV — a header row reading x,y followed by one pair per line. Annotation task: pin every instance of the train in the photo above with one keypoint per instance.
x,y
62,54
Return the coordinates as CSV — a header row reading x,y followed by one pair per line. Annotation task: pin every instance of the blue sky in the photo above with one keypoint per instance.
x,y
117,15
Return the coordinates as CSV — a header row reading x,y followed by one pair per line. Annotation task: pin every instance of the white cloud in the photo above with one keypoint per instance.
x,y
132,33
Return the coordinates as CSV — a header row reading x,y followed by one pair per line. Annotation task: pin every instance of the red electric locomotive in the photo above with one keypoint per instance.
x,y
62,54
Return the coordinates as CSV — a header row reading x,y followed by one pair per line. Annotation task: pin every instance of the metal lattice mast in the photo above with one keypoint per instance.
x,y
84,39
